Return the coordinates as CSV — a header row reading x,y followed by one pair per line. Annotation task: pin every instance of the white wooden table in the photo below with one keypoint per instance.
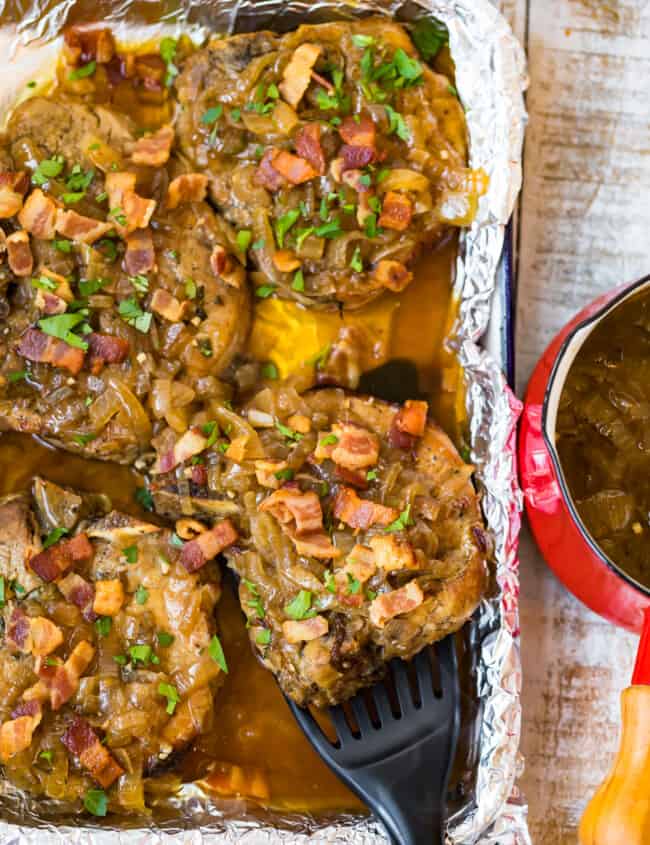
x,y
584,227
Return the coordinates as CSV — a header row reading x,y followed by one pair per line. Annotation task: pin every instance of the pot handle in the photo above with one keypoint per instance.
x,y
540,485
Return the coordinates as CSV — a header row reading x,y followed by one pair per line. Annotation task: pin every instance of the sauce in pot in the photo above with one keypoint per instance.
x,y
603,435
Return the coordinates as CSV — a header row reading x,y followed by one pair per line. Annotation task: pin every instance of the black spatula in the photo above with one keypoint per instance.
x,y
396,743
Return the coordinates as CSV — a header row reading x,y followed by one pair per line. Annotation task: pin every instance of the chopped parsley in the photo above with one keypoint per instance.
x,y
402,521
284,474
362,41
54,536
329,440
287,432
141,653
244,238
212,115
83,439
190,289
409,69
371,475
264,291
95,800
303,233
284,223
103,625
72,198
300,607
298,282
370,226
215,650
44,283
2,591
140,283
269,370
48,755
168,54
175,540
205,347
144,498
169,692
397,124
61,326
118,215
17,375
87,287
235,115
47,169
429,36
141,595
83,71
354,585
371,595
131,312
131,554
79,179
263,636
319,359
63,245
356,262
120,659
332,229
330,582
259,244
164,639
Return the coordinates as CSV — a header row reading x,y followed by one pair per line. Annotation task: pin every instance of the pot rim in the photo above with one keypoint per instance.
x,y
555,385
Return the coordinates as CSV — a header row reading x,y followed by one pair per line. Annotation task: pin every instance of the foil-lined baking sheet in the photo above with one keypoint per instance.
x,y
491,78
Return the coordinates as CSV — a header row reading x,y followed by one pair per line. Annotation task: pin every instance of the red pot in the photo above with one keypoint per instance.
x,y
561,536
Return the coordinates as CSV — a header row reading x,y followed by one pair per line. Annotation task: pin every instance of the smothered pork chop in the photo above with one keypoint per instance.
x,y
334,148
124,295
110,659
362,537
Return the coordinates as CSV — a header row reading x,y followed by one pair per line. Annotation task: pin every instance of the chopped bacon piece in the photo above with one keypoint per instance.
x,y
348,592
299,423
190,187
266,175
357,478
46,636
361,513
37,346
19,253
79,228
129,211
219,260
392,274
316,544
286,261
208,545
106,349
391,553
294,169
31,707
359,131
16,735
153,150
360,563
400,439
266,473
228,779
349,446
163,303
38,215
63,288
308,146
12,190
396,211
79,592
305,630
49,303
388,605
303,509
59,558
140,256
226,267
412,417
189,444
19,633
356,157
81,740
62,680
297,73
82,45
118,185
109,597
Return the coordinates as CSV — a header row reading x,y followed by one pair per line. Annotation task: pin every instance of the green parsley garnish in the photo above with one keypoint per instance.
x,y
330,582
83,439
356,262
61,326
87,287
284,223
402,521
17,375
300,607
175,540
287,432
397,124
269,370
429,36
303,233
284,474
332,229
120,659
31,84
329,440
2,591
263,636
205,347
235,115
164,639
47,169
259,244
54,536
44,283
371,595
169,692
72,198
132,313
103,625
371,475
298,282
354,585
168,54
141,653
83,71
244,237
144,498
140,283
409,69
264,291
118,215
141,595
48,755
131,554
216,653
211,115
63,245
190,289
362,41
95,800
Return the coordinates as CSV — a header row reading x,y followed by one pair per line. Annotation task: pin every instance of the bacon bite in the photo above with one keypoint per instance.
x,y
61,557
153,150
61,681
208,545
82,742
38,215
42,348
361,513
19,254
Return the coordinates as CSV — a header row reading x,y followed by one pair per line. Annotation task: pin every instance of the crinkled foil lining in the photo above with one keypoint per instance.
x,y
490,80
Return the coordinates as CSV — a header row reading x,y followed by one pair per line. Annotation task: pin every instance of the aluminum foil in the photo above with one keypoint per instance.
x,y
491,79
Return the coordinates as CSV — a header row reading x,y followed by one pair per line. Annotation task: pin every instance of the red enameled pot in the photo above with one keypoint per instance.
x,y
560,534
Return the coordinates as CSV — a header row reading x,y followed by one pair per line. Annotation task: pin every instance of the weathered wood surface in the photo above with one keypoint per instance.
x,y
584,227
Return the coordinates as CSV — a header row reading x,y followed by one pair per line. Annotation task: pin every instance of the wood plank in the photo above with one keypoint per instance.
x,y
585,218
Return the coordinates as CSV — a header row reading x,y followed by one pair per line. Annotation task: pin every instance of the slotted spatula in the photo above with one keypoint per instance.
x,y
398,755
